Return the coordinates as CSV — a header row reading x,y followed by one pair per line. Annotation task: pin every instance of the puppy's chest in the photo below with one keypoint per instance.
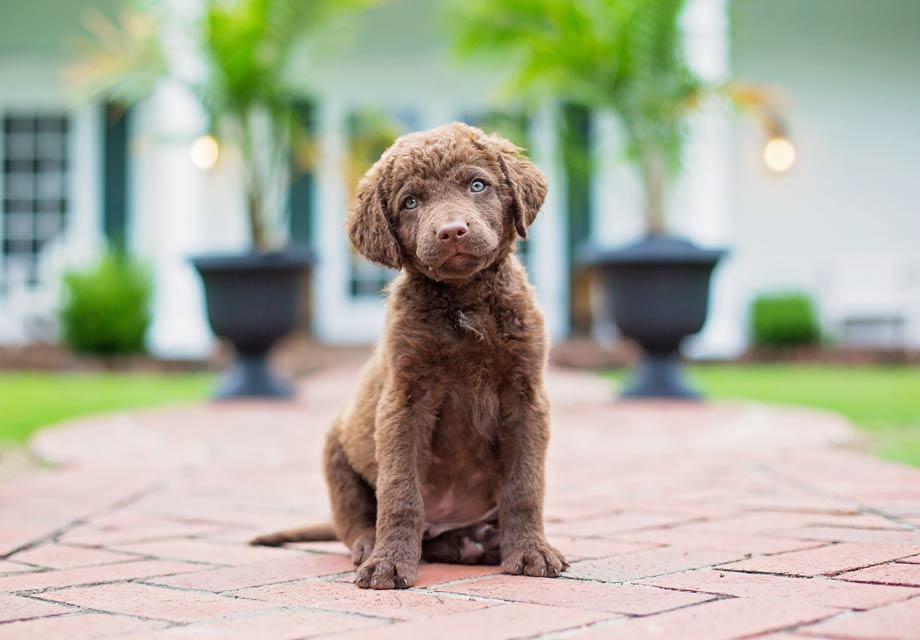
x,y
481,331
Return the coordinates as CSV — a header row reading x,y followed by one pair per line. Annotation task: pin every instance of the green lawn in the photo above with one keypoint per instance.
x,y
29,401
884,400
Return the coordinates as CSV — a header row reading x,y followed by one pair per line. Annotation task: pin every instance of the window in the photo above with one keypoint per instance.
x,y
370,132
35,201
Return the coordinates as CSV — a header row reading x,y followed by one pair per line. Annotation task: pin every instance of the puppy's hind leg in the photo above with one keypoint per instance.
x,y
475,544
354,503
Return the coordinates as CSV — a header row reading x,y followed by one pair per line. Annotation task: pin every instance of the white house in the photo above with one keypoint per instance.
x,y
842,223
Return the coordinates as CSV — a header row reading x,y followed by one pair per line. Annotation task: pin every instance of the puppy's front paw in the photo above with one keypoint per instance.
x,y
386,573
535,558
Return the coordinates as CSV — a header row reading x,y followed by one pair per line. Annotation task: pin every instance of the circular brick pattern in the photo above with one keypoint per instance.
x,y
680,520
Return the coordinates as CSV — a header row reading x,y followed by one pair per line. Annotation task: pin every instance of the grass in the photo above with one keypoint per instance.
x,y
884,400
30,401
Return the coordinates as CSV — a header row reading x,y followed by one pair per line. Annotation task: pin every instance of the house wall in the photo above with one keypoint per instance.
x,y
844,223
33,53
398,60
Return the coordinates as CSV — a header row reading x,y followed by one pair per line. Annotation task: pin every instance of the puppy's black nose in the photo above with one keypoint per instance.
x,y
452,231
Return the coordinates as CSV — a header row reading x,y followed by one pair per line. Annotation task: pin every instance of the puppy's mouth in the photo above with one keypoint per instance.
x,y
458,263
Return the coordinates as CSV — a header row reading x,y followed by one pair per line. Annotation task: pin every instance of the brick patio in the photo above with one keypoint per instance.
x,y
719,521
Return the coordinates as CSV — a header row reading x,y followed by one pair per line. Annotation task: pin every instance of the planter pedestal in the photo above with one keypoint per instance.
x,y
253,301
660,375
249,377
657,292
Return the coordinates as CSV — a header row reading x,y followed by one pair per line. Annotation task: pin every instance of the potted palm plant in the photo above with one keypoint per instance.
x,y
241,53
625,56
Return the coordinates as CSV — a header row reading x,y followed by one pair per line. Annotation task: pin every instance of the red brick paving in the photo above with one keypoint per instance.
x,y
13,567
205,551
268,625
828,593
680,521
889,573
259,573
896,621
149,601
57,556
338,596
828,560
578,594
515,620
81,625
92,575
716,620
18,608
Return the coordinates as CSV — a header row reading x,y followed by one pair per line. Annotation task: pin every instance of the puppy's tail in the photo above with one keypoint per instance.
x,y
312,533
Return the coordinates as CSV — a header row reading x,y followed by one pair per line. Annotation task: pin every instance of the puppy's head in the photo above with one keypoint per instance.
x,y
447,202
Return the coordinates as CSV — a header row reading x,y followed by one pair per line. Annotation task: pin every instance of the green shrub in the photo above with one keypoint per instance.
x,y
107,308
784,319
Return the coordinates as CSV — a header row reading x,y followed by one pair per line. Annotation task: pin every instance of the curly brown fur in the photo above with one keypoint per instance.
x,y
447,434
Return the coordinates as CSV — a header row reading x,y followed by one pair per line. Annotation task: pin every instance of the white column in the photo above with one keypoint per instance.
x,y
549,233
700,206
615,189
331,271
84,230
168,199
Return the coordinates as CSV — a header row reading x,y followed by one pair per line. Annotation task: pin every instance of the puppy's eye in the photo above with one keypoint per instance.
x,y
477,185
410,203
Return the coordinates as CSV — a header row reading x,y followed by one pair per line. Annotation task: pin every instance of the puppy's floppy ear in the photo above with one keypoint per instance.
x,y
368,223
527,183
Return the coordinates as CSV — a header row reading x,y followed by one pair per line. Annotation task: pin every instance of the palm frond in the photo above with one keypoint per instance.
x,y
119,60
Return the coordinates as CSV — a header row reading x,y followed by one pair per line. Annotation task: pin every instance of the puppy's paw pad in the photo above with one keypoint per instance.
x,y
380,573
537,559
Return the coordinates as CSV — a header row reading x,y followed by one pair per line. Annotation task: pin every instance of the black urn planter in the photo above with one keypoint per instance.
x,y
252,300
657,292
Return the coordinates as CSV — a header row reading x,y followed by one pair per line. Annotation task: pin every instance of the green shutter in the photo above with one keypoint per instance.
x,y
115,177
300,197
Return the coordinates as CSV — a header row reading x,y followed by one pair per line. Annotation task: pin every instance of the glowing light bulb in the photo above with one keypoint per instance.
x,y
779,155
204,152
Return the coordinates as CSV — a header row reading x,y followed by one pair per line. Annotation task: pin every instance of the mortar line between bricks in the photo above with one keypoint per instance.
x,y
41,590
606,535
135,556
636,580
832,574
816,491
572,631
269,606
80,610
233,595
76,609
843,613
715,596
84,519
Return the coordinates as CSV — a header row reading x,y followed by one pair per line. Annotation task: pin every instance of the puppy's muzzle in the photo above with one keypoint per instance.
x,y
453,233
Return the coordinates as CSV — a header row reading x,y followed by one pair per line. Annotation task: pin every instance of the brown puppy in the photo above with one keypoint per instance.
x,y
441,454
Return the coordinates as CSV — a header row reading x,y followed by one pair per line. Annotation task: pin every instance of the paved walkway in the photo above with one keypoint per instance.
x,y
721,521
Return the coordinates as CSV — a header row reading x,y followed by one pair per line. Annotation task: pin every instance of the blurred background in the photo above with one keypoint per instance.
x,y
125,152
